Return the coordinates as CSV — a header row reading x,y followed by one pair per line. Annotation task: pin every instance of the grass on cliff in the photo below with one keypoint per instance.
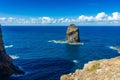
x,y
94,67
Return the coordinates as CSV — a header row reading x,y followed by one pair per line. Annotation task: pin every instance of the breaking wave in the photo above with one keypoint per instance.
x,y
114,48
9,46
76,43
57,41
75,61
14,56
64,42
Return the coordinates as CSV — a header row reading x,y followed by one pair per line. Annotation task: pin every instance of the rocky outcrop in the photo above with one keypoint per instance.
x,y
72,34
6,66
106,69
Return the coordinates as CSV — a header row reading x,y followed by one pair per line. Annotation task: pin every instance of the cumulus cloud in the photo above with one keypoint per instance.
x,y
83,18
45,20
115,16
2,19
99,18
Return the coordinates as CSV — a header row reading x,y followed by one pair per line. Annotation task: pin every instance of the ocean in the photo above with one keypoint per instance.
x,y
31,49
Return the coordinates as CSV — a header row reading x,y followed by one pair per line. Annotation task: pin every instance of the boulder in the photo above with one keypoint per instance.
x,y
72,34
7,68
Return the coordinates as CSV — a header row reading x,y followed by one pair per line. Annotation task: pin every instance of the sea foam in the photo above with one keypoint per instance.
x,y
9,46
64,42
114,48
57,41
75,61
76,43
14,56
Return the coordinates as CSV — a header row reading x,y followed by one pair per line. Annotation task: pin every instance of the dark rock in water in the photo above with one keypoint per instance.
x,y
72,34
7,68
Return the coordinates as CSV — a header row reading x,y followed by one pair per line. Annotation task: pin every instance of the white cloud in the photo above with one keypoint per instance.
x,y
115,16
100,18
2,19
83,18
45,20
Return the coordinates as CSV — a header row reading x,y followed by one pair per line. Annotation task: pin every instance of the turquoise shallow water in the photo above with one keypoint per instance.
x,y
43,60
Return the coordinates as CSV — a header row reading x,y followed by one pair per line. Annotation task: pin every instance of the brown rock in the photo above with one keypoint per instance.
x,y
6,66
106,69
72,34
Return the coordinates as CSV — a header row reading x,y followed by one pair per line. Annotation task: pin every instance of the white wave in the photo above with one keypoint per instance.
x,y
14,57
64,42
9,46
114,48
75,61
57,41
76,43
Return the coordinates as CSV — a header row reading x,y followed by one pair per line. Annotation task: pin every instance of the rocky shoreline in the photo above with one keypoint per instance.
x,y
105,69
7,68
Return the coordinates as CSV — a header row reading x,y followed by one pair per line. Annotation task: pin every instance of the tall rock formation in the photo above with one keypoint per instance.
x,y
6,66
72,34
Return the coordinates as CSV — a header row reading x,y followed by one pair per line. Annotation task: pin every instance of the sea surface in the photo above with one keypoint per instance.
x,y
41,59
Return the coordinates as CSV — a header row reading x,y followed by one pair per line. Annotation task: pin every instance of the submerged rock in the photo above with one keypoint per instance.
x,y
72,34
7,68
106,69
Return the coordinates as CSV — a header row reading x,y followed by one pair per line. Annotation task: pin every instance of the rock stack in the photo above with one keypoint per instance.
x,y
7,68
72,34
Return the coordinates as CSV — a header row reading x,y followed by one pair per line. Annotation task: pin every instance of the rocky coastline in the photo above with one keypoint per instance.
x,y
7,68
105,69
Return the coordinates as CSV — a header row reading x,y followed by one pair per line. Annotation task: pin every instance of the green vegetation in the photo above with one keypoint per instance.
x,y
94,66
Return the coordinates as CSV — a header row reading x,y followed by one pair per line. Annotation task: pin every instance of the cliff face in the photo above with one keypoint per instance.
x,y
106,69
72,34
6,66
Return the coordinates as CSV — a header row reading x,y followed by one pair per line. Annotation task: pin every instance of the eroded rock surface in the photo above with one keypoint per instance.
x,y
6,66
106,69
72,34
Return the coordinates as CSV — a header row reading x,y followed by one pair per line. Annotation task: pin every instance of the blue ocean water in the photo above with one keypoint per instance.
x,y
43,60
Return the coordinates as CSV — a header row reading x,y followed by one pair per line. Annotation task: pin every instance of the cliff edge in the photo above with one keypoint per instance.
x,y
106,69
7,68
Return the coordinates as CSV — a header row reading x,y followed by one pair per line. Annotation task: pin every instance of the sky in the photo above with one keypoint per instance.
x,y
60,12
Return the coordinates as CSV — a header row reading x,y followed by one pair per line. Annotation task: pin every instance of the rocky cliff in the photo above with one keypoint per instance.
x,y
106,69
72,34
6,66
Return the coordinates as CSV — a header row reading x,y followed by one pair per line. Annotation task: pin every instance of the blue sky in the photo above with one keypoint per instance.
x,y
60,12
